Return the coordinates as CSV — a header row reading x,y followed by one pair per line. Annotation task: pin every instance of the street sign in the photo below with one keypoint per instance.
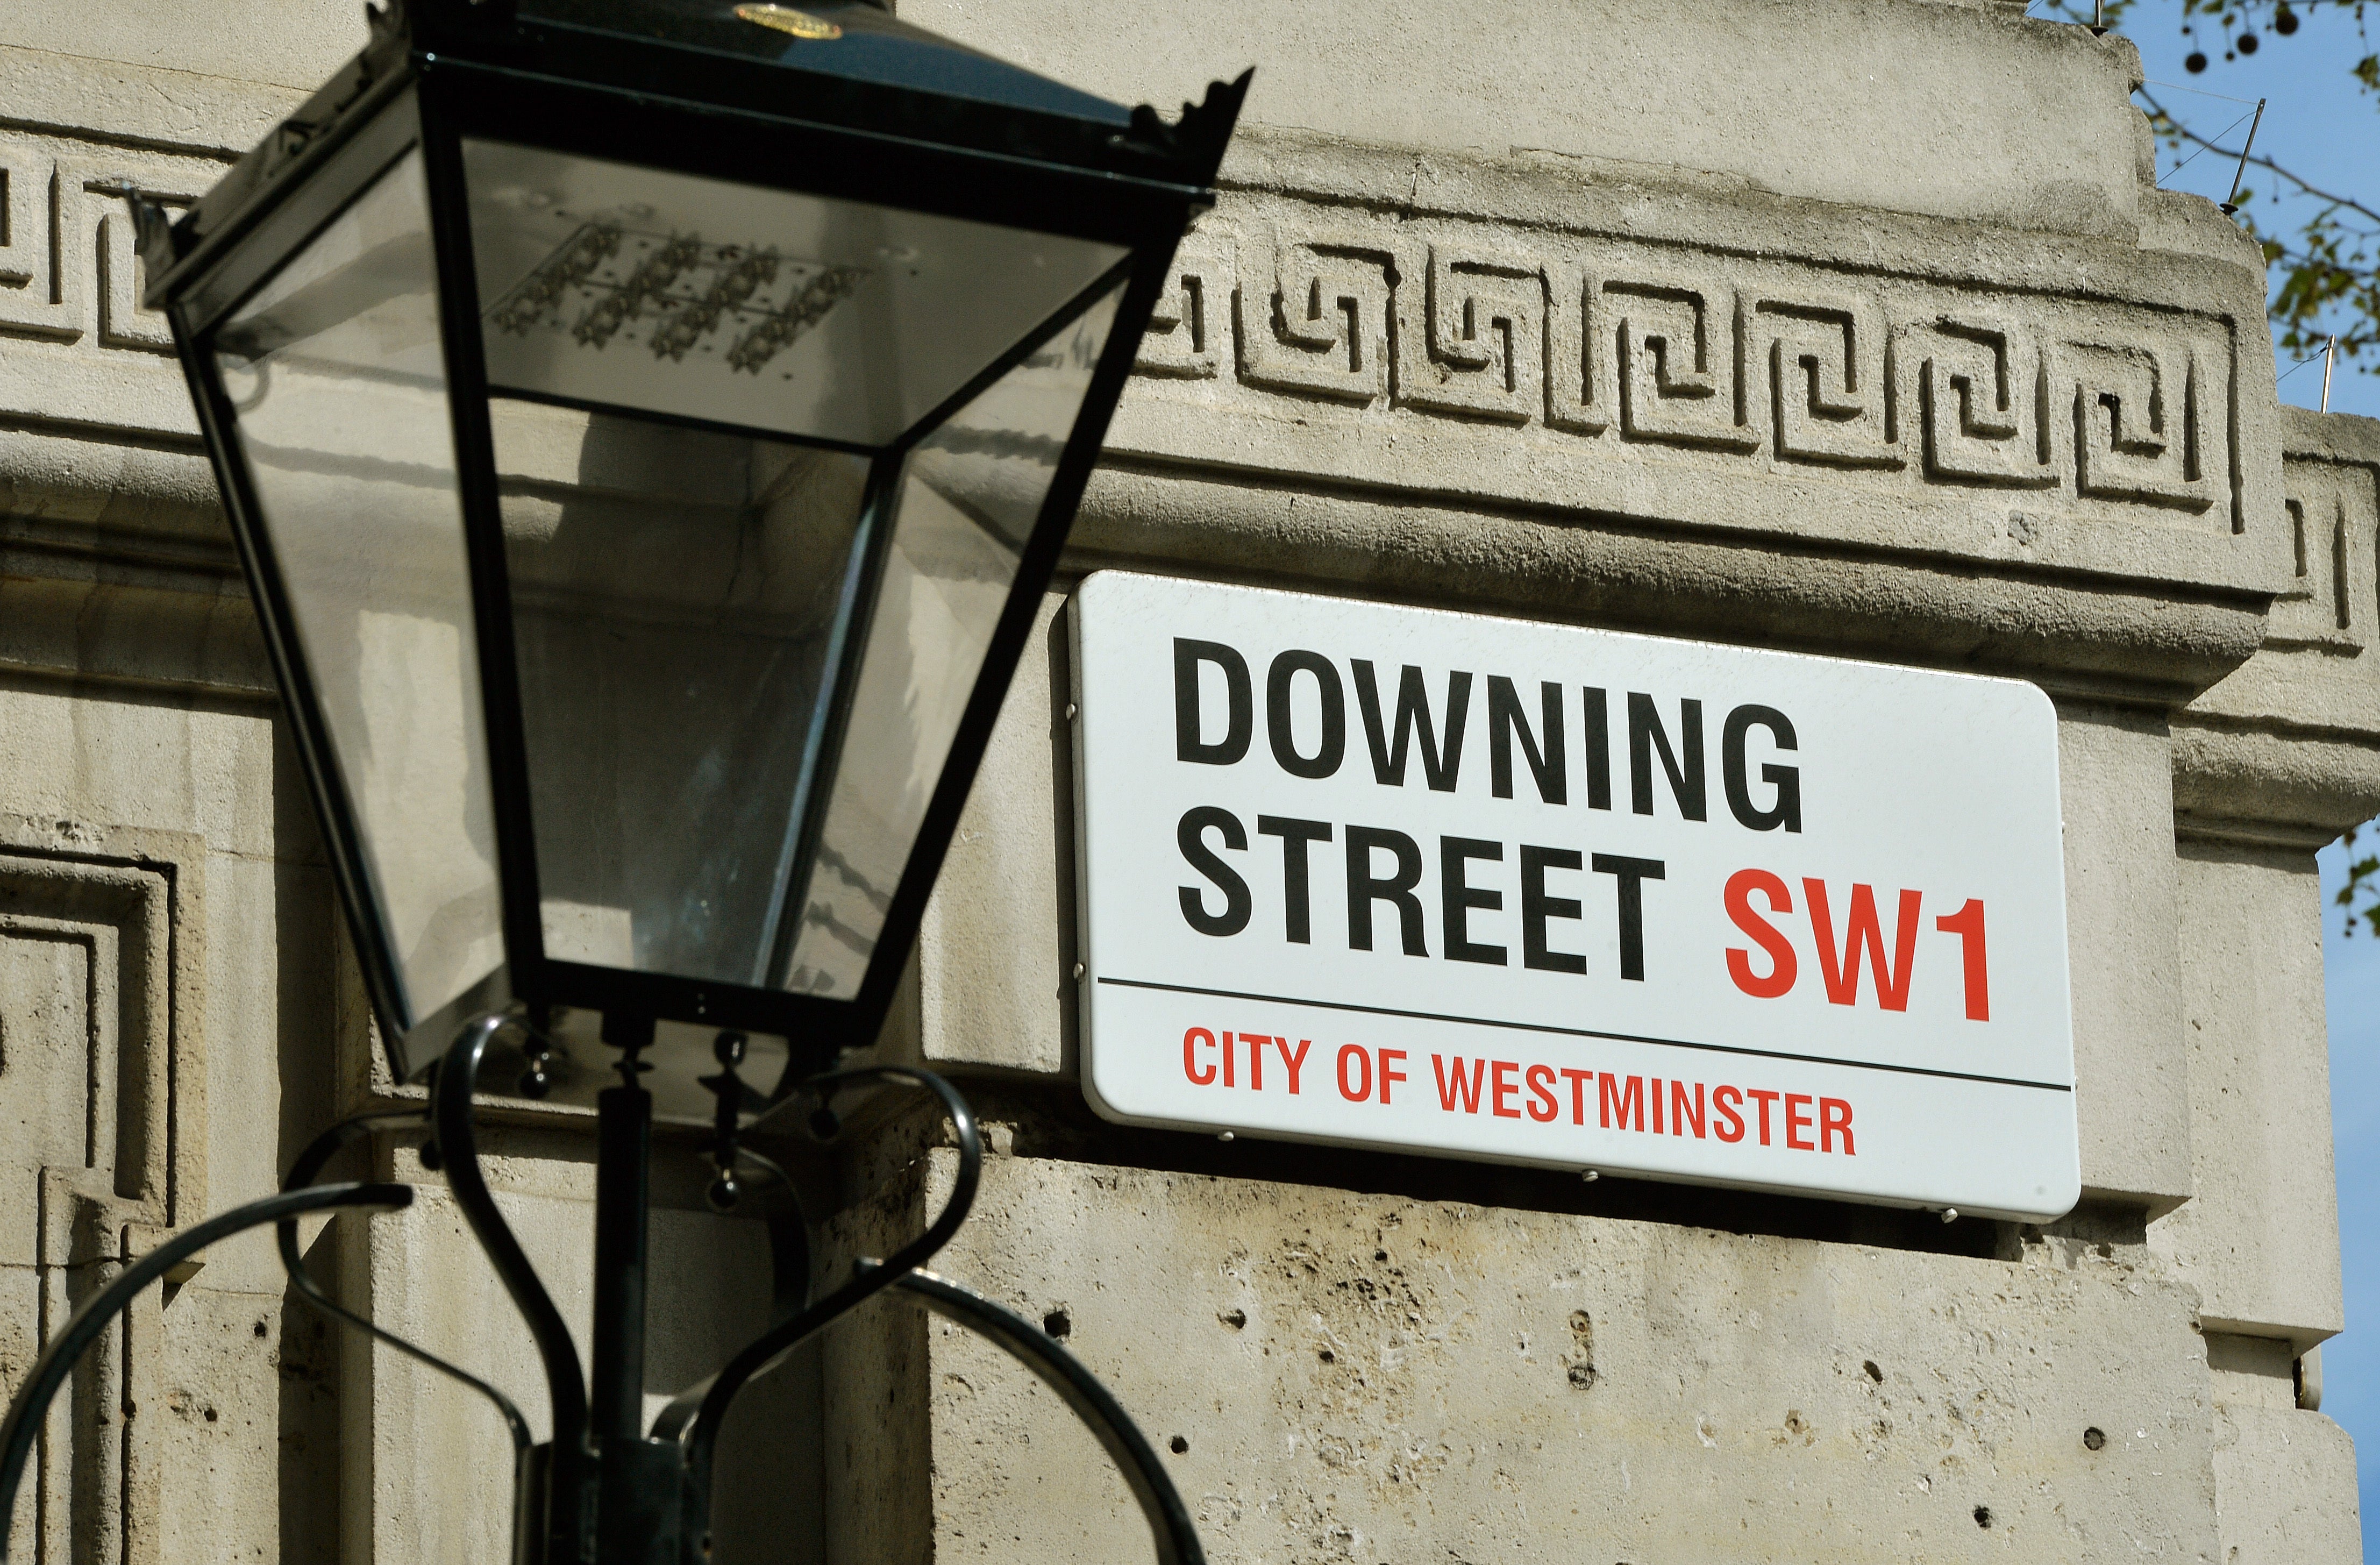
x,y
1483,888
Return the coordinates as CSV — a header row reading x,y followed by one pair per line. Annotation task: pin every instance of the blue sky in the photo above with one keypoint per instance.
x,y
2321,124
2318,121
2351,1362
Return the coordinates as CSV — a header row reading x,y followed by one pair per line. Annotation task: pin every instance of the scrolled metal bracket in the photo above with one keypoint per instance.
x,y
31,1406
1084,1395
696,1417
556,1487
302,1173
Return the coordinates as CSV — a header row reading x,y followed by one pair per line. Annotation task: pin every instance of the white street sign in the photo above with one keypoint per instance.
x,y
1484,887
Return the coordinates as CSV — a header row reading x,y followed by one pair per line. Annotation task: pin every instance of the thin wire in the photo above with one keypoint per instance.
x,y
2151,82
2304,184
2300,363
2204,145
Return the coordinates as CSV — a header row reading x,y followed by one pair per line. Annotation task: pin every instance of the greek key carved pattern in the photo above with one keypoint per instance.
x,y
2137,425
1578,392
1983,399
2334,514
1618,342
1482,321
1681,362
68,273
1186,325
1313,317
1825,362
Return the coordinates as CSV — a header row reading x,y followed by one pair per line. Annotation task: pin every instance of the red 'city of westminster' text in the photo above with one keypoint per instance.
x,y
1512,1089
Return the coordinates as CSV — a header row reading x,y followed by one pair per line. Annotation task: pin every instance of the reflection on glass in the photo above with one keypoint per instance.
x,y
968,498
770,310
677,597
336,370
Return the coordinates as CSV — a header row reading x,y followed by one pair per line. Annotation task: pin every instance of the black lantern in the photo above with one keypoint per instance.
x,y
649,427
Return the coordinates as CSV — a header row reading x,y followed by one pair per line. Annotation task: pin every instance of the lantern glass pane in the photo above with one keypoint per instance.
x,y
337,374
607,284
678,600
966,504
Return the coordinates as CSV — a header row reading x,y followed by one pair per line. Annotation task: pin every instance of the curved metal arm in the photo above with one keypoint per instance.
x,y
459,1149
1169,1519
49,1373
310,1163
696,1416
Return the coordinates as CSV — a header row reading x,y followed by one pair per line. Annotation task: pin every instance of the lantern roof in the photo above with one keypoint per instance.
x,y
870,44
844,66
462,331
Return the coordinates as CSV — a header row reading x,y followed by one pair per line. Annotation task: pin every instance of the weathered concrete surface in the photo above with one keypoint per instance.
x,y
2131,1094
287,44
1008,1002
1852,207
1367,1378
2260,1240
2035,137
2285,1480
2280,1473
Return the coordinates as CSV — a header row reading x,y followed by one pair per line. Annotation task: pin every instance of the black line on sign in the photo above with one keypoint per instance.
x,y
1588,1032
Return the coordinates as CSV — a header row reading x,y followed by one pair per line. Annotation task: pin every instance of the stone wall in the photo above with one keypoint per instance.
x,y
1852,326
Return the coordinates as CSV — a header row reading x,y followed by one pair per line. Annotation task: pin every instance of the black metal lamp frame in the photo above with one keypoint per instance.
x,y
679,85
599,1494
695,88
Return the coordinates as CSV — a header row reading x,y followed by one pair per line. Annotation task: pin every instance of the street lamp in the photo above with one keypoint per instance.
x,y
649,427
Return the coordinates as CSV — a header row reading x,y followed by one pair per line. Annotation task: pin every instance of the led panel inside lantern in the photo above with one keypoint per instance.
x,y
610,284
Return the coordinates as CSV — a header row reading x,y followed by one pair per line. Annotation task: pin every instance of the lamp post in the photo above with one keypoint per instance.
x,y
649,427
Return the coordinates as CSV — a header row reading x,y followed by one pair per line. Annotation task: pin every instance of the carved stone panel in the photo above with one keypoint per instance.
x,y
99,1133
54,974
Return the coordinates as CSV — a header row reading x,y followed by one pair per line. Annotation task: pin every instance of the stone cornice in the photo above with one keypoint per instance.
x,y
1646,396
1668,399
2183,241
139,107
2292,739
2065,405
2077,636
